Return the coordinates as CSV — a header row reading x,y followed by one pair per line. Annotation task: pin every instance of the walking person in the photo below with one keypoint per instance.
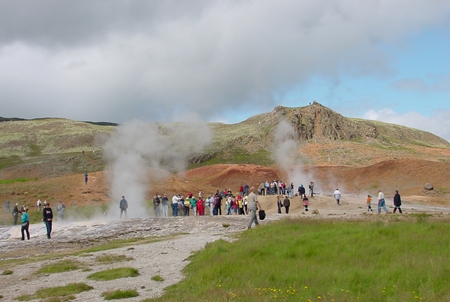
x,y
287,204
397,202
337,196
47,214
85,177
253,205
7,206
369,203
15,213
381,202
25,224
123,205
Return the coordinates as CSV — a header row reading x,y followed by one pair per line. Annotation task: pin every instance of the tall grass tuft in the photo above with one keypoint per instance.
x,y
114,273
54,293
323,260
120,294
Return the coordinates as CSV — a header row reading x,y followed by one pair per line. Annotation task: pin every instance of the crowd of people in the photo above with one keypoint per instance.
x,y
244,202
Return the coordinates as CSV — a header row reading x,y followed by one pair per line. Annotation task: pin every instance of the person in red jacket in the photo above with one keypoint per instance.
x,y
200,207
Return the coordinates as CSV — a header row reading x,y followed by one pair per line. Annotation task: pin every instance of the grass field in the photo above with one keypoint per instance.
x,y
322,260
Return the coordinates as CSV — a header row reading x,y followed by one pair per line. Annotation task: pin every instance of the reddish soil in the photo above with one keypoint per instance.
x,y
406,175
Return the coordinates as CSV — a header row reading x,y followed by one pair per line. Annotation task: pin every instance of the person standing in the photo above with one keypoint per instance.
x,y
25,224
337,196
165,205
301,191
279,204
156,203
381,202
38,204
397,202
369,203
47,214
123,205
85,177
194,205
286,204
218,204
61,208
15,213
7,206
305,203
175,201
311,189
201,207
253,205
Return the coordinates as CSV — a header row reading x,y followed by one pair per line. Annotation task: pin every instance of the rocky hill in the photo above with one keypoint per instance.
x,y
319,136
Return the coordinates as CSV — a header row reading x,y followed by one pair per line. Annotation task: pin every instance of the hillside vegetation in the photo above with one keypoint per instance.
x,y
322,137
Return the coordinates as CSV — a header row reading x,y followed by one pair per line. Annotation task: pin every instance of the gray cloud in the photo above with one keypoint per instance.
x,y
119,60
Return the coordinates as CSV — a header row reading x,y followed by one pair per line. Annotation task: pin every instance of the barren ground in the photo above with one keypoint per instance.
x,y
167,258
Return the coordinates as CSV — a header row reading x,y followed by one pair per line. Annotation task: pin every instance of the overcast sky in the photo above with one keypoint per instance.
x,y
224,61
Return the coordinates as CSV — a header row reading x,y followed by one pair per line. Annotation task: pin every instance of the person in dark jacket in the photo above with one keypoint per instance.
x,y
286,204
397,202
15,213
279,204
301,191
48,218
123,205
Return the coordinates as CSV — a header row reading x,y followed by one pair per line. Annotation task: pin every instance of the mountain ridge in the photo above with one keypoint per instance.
x,y
321,136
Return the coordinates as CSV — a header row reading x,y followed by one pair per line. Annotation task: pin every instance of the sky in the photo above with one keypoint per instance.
x,y
163,61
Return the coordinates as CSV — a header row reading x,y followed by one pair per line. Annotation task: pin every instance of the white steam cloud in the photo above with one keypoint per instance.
x,y
137,151
285,155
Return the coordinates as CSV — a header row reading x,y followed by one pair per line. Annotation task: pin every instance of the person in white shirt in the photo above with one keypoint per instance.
x,y
337,196
381,202
175,201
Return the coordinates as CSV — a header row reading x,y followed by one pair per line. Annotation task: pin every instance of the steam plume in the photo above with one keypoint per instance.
x,y
137,149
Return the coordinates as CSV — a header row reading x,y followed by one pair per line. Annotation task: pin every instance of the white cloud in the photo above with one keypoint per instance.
x,y
438,124
116,60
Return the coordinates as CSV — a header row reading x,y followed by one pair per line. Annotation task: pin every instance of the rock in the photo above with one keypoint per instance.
x,y
428,186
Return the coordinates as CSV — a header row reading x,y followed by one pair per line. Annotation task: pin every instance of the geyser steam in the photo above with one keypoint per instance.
x,y
137,148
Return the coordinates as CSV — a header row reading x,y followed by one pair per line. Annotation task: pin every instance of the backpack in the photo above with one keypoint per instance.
x,y
262,214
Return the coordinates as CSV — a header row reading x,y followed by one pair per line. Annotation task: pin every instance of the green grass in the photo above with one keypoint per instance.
x,y
9,181
106,259
120,294
323,260
157,278
56,293
60,267
7,272
114,273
